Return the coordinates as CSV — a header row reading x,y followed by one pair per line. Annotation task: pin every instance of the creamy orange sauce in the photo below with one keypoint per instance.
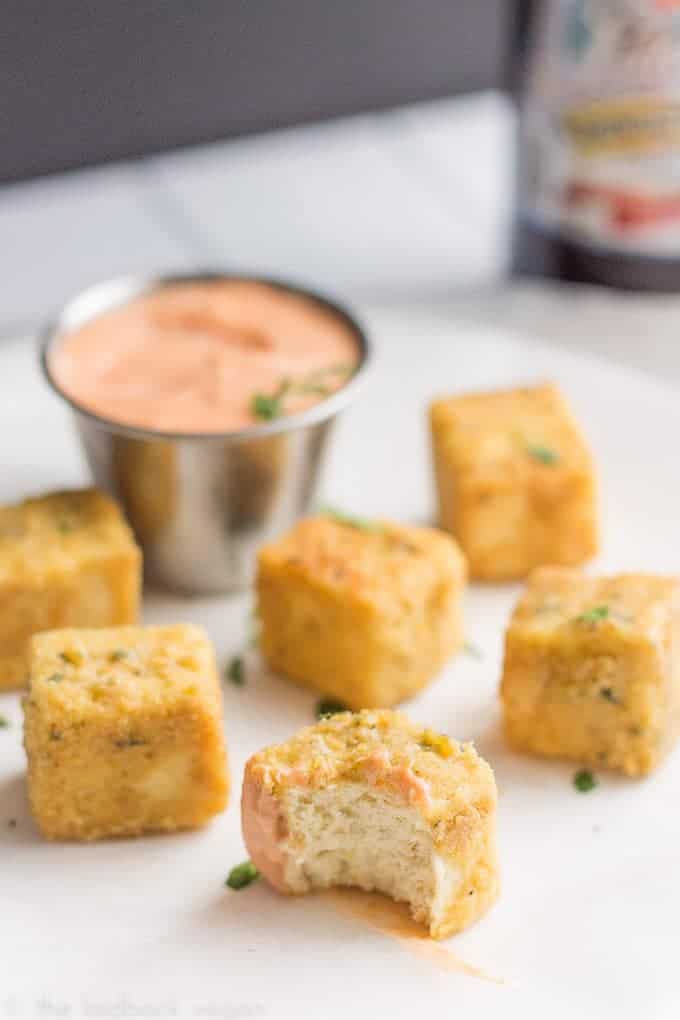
x,y
191,357
264,831
394,920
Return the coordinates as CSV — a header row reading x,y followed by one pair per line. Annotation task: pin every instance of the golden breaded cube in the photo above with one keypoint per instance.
x,y
123,732
515,480
367,614
66,560
592,669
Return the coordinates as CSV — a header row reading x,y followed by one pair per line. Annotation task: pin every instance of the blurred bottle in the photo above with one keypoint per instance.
x,y
598,190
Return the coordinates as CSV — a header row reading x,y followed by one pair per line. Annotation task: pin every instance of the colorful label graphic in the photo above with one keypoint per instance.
x,y
600,143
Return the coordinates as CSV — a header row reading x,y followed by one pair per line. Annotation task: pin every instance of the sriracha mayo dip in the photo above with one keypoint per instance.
x,y
206,357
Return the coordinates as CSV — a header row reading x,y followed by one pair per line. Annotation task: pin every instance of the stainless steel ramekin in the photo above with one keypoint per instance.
x,y
201,505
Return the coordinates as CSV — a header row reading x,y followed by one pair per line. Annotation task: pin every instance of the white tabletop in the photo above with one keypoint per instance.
x,y
586,926
407,208
410,203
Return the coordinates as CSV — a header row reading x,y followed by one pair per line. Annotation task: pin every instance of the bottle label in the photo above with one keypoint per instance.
x,y
600,137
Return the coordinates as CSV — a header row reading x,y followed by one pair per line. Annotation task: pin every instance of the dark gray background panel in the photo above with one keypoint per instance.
x,y
87,81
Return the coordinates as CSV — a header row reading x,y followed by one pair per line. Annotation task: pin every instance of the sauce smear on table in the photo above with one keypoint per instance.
x,y
394,920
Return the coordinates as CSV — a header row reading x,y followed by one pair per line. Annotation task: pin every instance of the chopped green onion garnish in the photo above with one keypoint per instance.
x,y
351,520
593,615
266,408
242,875
585,781
236,672
543,454
329,706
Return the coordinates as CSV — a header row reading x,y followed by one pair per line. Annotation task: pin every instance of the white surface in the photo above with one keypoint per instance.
x,y
63,233
408,207
587,923
640,330
380,206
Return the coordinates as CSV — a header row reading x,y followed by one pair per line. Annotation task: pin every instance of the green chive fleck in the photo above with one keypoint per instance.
x,y
266,408
593,615
329,706
118,654
351,520
543,454
242,875
65,527
472,650
585,781
56,678
236,674
4,722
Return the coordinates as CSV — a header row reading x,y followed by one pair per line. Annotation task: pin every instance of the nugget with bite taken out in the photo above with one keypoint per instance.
x,y
371,800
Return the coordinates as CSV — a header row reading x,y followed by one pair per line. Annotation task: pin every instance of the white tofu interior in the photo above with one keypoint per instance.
x,y
352,834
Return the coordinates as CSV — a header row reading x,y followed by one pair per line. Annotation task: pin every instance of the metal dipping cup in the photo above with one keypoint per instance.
x,y
202,504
